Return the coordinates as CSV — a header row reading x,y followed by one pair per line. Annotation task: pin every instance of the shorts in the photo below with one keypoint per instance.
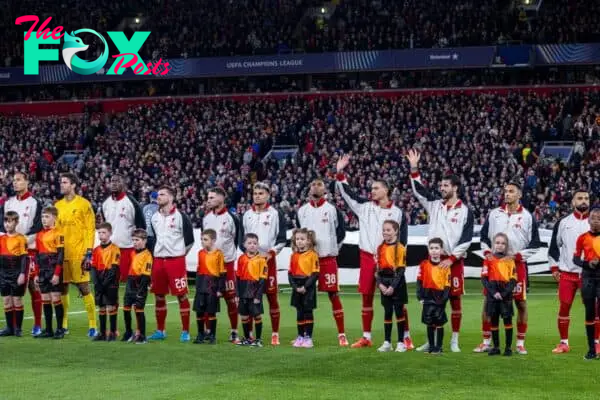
x,y
501,308
457,278
400,295
44,281
366,275
206,303
8,283
304,302
520,290
328,275
568,284
230,292
247,307
131,299
434,314
271,276
107,296
590,286
125,264
73,272
169,275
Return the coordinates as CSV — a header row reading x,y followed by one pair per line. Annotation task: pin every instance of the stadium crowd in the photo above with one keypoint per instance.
x,y
486,139
279,26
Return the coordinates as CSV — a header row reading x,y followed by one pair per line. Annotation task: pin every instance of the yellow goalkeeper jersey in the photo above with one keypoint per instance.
x,y
77,221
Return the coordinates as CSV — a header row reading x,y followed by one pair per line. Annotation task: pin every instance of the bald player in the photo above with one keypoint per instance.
x,y
323,218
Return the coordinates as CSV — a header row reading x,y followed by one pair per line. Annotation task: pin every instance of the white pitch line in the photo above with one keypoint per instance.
x,y
84,312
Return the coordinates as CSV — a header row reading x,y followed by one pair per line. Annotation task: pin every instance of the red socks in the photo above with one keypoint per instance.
x,y
406,326
161,314
486,328
36,306
564,320
274,312
232,310
184,312
338,311
367,312
456,305
521,330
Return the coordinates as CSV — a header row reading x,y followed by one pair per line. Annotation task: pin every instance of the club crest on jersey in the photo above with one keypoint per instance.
x,y
454,218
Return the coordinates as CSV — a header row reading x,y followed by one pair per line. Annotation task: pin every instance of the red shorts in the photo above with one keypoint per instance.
x,y
457,278
271,276
125,264
568,284
328,274
169,274
230,280
366,275
520,291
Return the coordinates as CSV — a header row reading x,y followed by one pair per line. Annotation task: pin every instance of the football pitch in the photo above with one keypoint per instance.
x,y
75,368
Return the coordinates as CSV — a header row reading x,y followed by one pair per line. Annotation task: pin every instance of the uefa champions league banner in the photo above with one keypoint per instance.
x,y
465,57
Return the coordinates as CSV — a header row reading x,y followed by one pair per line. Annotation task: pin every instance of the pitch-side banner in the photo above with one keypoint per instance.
x,y
465,57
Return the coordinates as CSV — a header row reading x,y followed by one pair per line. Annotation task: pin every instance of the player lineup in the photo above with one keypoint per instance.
x,y
47,250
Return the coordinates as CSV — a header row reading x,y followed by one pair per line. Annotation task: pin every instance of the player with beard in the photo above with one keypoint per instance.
x,y
452,221
174,239
323,218
371,216
565,272
77,222
521,228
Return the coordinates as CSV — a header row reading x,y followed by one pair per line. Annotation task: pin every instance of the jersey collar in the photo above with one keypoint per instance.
x,y
171,211
119,196
580,215
266,207
24,196
317,203
458,204
388,205
222,211
505,209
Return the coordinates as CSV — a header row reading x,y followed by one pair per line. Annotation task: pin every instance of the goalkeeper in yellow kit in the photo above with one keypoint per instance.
x,y
77,221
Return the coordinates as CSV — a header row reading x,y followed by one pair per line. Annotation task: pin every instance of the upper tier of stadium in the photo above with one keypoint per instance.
x,y
205,28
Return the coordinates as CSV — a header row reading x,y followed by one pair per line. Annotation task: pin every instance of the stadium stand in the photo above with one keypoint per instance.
x,y
197,29
485,137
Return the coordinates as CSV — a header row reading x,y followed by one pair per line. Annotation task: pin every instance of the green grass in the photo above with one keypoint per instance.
x,y
75,368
